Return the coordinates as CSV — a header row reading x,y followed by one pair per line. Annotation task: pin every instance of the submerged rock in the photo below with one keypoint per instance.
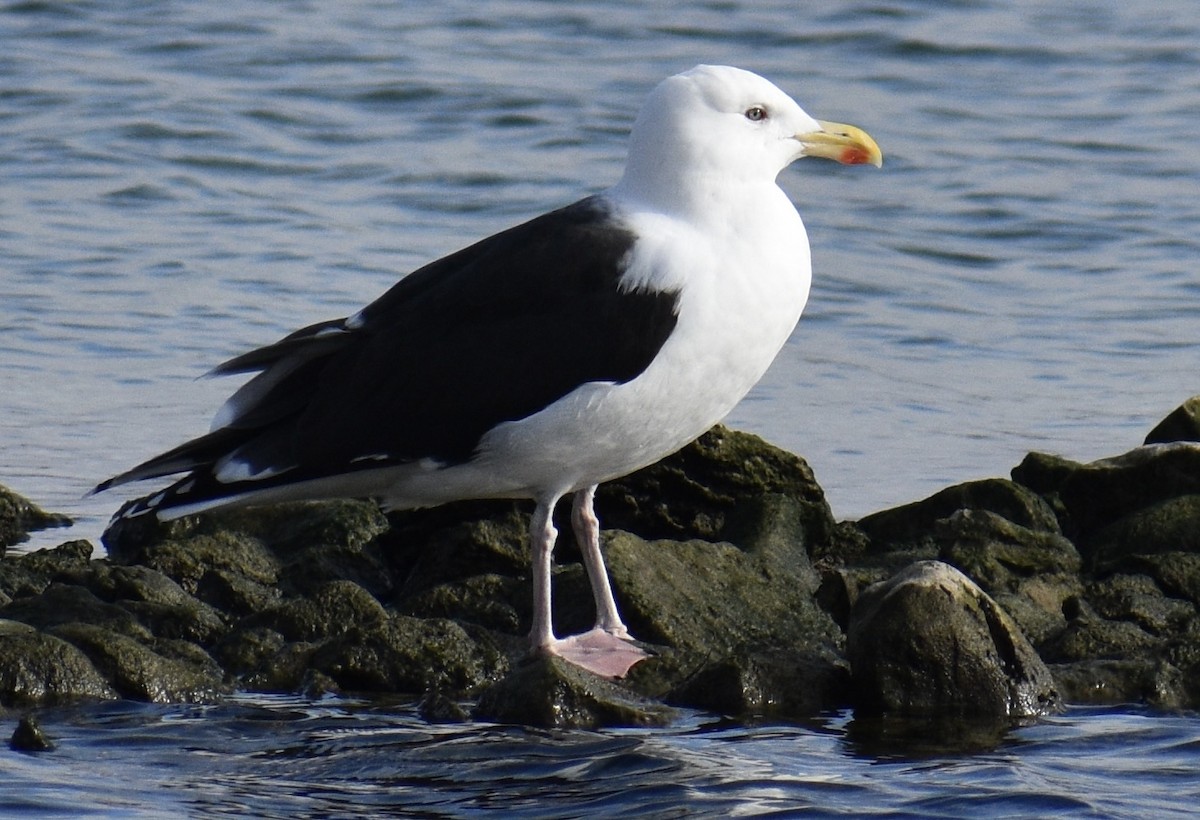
x,y
930,642
29,736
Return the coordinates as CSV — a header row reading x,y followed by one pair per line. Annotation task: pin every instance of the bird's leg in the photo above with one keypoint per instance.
x,y
605,650
587,533
542,535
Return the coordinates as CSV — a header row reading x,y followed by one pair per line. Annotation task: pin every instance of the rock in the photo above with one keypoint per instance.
x,y
29,736
65,603
26,575
549,692
1091,497
930,642
36,669
713,598
468,561
157,602
1088,636
19,516
331,610
1176,573
779,684
912,525
437,707
188,560
699,491
179,673
1138,599
410,655
1183,424
1139,680
1172,525
1030,573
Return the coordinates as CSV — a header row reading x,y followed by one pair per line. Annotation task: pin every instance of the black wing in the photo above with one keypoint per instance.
x,y
492,333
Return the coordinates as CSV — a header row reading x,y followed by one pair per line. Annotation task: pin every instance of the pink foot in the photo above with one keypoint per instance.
x,y
599,652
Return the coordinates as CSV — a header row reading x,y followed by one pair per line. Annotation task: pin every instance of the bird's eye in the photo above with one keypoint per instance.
x,y
756,113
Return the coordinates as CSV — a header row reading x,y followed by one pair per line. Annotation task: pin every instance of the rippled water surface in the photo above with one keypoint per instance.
x,y
284,758
181,181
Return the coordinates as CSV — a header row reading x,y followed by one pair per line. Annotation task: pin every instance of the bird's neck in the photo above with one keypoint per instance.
x,y
698,198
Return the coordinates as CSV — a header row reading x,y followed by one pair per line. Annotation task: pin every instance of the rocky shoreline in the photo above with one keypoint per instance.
x,y
989,602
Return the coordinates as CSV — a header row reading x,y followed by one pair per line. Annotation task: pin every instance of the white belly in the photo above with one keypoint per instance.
x,y
736,310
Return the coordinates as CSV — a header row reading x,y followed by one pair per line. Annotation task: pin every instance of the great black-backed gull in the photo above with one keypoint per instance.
x,y
570,350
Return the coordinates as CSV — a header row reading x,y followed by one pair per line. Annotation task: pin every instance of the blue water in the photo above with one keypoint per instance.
x,y
181,181
285,758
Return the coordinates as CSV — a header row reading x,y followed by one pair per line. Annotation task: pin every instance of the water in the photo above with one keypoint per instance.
x,y
279,757
181,181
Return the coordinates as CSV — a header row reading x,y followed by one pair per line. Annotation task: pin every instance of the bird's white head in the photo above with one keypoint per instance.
x,y
729,126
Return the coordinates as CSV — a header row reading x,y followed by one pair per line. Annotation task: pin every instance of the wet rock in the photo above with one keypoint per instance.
x,y
715,598
1172,525
1183,424
437,707
468,560
1092,497
64,603
178,672
155,601
331,610
1088,636
27,575
779,684
1139,600
700,491
1176,573
413,655
913,525
252,651
490,600
188,560
36,668
1030,573
1138,680
30,737
19,516
930,642
549,692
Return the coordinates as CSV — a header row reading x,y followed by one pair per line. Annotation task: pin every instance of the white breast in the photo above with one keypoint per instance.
x,y
742,284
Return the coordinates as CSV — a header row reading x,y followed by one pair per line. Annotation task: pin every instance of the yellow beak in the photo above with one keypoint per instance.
x,y
843,143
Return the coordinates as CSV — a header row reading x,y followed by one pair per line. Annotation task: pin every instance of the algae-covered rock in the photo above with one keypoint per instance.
x,y
29,574
177,672
1171,525
19,516
550,692
411,655
1135,680
36,668
780,683
930,642
1182,424
29,736
1091,497
914,524
1030,573
714,598
699,491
